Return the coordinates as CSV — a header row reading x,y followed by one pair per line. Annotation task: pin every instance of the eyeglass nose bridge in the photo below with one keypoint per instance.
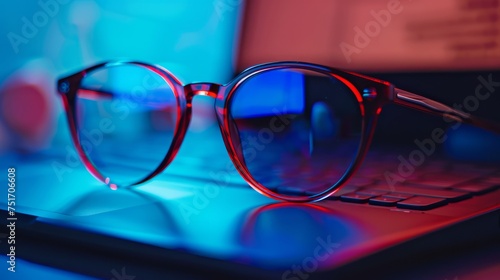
x,y
206,89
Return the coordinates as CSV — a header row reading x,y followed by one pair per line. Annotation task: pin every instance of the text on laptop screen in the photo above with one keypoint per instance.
x,y
374,35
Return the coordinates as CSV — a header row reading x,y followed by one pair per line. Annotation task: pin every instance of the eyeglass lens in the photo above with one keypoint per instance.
x,y
298,130
126,117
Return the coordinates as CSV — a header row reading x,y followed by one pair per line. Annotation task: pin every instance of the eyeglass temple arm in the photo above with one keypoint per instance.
x,y
424,104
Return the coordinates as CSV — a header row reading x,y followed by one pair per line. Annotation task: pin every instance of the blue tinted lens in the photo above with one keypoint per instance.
x,y
126,117
299,131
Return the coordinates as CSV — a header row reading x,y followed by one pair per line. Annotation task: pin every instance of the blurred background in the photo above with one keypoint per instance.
x,y
47,39
437,48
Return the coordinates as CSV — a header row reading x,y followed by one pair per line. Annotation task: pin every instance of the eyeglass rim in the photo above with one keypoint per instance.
x,y
369,108
68,87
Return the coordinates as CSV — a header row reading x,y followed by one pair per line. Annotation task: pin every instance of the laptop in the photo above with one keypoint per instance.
x,y
440,221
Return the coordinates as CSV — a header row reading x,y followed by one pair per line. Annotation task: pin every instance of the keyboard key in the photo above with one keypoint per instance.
x,y
384,201
421,203
450,195
356,198
398,195
476,188
371,192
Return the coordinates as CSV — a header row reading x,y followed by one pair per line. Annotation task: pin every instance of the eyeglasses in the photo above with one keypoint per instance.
x,y
294,131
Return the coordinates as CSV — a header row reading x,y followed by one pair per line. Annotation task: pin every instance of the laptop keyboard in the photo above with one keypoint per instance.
x,y
428,187
436,183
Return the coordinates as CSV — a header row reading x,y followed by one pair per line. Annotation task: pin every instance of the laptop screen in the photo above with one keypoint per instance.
x,y
374,35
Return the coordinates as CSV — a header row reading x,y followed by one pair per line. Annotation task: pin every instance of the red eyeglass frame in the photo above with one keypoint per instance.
x,y
372,94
